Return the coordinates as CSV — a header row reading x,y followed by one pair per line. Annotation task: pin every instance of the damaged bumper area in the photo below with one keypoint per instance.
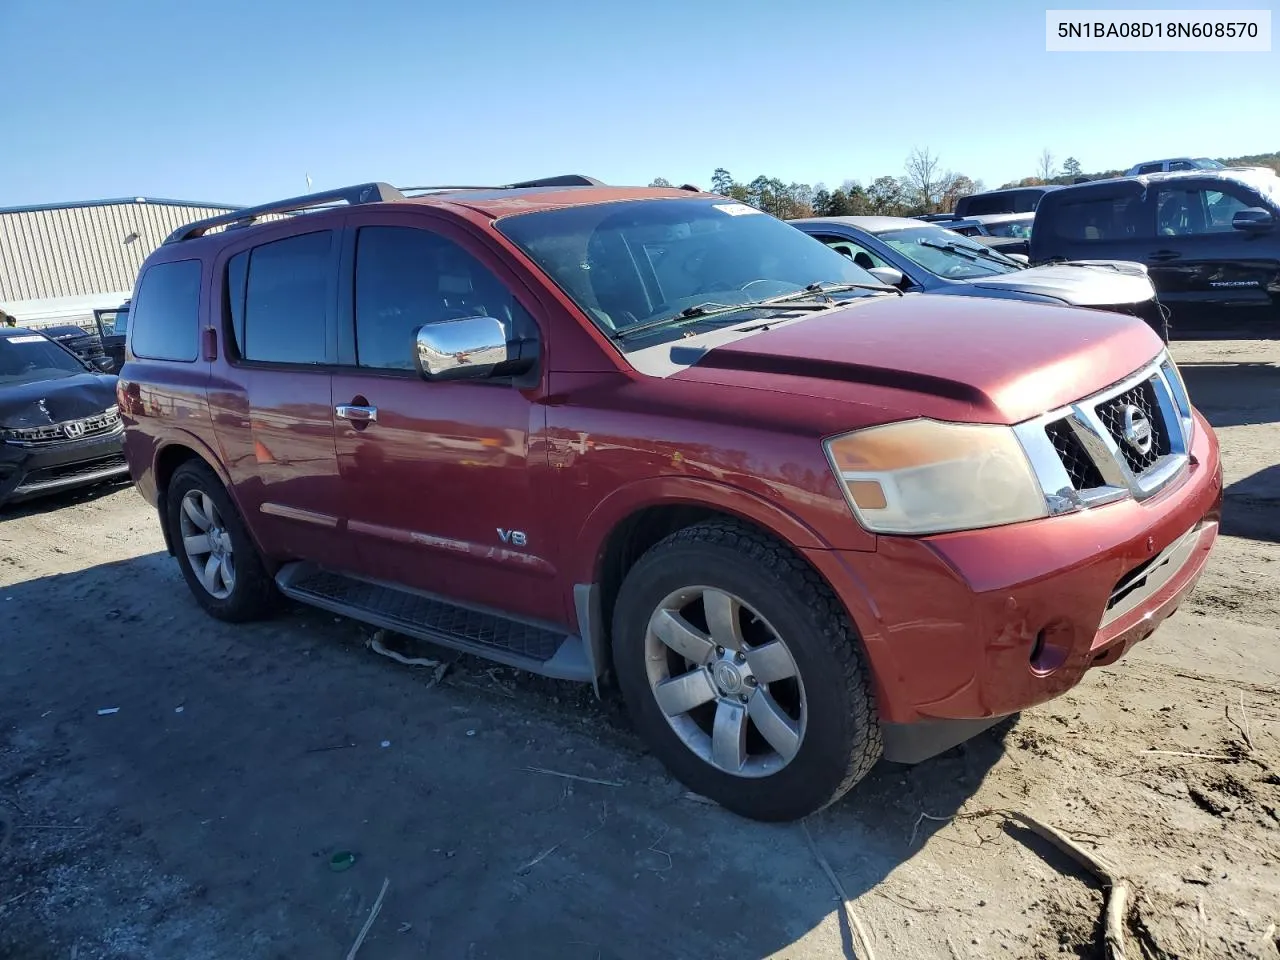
x,y
964,629
34,465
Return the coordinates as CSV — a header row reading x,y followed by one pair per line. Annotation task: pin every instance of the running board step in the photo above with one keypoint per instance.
x,y
533,647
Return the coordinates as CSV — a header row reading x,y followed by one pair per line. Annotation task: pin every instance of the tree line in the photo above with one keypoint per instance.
x,y
925,186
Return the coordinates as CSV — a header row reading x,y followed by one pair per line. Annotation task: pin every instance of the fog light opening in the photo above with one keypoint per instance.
x,y
1037,648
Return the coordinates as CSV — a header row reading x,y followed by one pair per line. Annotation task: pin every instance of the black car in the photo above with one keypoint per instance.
x,y
1011,200
1208,238
925,258
59,424
85,344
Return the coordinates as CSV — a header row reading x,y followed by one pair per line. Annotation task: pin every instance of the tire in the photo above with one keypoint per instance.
x,y
252,593
828,707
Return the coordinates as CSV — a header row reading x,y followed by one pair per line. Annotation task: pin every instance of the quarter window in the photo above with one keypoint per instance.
x,y
407,277
166,312
287,292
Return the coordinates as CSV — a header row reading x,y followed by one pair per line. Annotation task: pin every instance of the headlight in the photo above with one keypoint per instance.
x,y
923,476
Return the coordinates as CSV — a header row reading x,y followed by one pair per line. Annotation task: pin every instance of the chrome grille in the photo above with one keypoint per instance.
x,y
66,431
1131,439
1080,468
1143,399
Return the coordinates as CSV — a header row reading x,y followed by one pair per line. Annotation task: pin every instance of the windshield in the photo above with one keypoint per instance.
x,y
1010,228
26,357
947,254
1204,163
635,262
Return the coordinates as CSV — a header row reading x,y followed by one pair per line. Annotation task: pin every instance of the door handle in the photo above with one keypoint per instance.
x,y
356,413
1161,255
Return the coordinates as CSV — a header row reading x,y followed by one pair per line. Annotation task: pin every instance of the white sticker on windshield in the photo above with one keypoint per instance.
x,y
26,338
735,209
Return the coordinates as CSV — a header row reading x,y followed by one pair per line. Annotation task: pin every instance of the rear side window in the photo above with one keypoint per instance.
x,y
166,312
1100,218
287,285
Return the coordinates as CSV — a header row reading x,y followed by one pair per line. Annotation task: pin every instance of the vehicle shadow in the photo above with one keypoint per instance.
x,y
1251,506
218,768
56,501
1233,394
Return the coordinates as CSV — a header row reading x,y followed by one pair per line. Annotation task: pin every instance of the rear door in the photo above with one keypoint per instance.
x,y
271,400
1216,280
1106,221
445,484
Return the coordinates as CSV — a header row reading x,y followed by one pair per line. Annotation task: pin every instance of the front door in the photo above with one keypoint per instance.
x,y
1216,280
441,480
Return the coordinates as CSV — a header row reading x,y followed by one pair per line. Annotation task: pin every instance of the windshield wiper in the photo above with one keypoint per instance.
x,y
830,286
792,301
974,256
703,311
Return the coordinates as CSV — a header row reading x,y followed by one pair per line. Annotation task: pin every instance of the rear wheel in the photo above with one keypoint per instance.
x,y
741,670
217,557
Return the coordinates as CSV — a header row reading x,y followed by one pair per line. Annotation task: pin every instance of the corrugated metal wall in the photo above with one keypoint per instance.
x,y
77,250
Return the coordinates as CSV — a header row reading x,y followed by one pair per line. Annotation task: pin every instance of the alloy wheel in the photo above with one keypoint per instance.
x,y
207,544
725,681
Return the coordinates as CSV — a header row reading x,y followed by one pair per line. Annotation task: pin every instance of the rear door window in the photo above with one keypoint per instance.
x,y
166,312
286,314
1101,218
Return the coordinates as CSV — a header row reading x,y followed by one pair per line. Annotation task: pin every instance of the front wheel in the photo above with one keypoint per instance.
x,y
741,671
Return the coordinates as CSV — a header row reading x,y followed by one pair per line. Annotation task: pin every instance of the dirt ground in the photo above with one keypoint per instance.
x,y
198,821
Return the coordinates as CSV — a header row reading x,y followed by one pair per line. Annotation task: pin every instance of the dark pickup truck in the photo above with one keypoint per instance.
x,y
1210,241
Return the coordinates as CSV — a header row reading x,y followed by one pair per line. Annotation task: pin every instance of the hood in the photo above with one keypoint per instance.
x,y
42,402
1081,284
982,360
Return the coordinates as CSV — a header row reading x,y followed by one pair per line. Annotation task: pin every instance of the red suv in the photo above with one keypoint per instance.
x,y
657,436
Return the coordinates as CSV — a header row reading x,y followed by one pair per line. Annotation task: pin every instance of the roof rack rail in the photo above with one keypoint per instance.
x,y
356,195
565,180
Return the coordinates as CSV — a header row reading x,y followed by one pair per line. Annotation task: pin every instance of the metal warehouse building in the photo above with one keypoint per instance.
x,y
60,261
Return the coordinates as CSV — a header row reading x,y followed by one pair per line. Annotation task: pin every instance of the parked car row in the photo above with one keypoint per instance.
x,y
927,258
655,439
1205,233
60,426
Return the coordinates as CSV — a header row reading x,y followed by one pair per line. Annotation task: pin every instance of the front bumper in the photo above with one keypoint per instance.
x,y
27,472
963,629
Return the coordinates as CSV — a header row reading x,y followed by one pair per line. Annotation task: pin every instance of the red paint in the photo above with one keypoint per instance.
x,y
421,496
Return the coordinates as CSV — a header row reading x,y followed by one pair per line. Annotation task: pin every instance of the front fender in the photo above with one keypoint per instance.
x,y
688,491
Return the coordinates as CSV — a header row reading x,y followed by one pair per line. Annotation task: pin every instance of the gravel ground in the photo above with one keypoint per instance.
x,y
198,820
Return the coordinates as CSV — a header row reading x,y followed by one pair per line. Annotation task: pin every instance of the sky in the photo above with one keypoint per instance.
x,y
239,101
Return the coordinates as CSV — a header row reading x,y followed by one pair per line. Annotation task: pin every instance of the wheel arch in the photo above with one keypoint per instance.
x,y
171,455
641,515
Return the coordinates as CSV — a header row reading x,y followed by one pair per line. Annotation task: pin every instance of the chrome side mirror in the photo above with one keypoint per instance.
x,y
467,348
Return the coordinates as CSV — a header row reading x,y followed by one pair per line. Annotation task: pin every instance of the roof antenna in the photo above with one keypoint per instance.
x,y
308,183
